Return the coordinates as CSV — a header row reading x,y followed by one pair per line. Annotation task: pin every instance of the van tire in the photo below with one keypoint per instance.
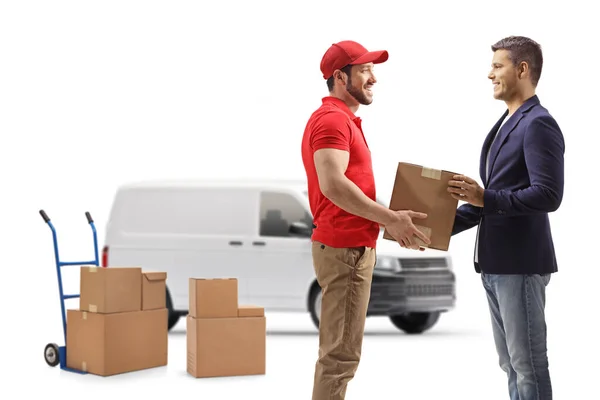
x,y
416,322
173,317
314,301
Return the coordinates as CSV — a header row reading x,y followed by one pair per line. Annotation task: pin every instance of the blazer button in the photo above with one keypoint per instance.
x,y
500,212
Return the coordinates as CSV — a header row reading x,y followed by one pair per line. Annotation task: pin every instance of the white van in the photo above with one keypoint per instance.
x,y
259,233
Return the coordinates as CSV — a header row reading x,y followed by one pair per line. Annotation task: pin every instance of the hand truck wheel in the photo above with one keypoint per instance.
x,y
51,354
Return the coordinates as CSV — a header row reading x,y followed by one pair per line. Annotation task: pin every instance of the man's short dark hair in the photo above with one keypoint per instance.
x,y
521,48
347,69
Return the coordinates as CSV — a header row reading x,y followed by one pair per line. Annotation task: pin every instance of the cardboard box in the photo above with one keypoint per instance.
x,y
109,344
250,311
154,290
110,290
218,347
213,298
422,189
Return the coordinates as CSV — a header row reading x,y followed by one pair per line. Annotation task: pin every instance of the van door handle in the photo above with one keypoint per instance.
x,y
235,243
258,243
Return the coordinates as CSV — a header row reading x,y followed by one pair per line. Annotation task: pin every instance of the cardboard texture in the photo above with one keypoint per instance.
x,y
425,190
250,311
110,333
110,290
218,347
154,290
223,338
213,298
110,344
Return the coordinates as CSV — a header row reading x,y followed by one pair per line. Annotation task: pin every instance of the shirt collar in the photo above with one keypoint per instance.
x,y
341,105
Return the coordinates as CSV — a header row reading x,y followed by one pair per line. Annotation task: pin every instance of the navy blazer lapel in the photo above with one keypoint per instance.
x,y
507,128
486,146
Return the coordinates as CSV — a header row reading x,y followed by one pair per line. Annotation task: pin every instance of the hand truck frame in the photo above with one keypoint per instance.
x,y
54,354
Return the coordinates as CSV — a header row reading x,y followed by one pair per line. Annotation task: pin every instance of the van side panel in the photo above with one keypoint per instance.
x,y
186,211
184,231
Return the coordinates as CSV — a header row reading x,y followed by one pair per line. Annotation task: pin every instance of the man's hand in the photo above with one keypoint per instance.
x,y
466,189
403,230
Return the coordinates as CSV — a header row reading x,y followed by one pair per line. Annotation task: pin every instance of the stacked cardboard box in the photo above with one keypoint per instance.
x,y
223,338
121,323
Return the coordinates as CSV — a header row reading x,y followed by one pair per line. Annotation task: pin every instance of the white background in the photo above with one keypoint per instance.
x,y
96,94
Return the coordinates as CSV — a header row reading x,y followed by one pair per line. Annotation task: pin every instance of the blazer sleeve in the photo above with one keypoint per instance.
x,y
467,216
544,148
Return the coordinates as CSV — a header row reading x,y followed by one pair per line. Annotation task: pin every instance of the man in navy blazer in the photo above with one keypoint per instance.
x,y
522,170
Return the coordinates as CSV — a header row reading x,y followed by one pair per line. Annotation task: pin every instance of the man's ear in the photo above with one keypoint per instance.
x,y
340,76
523,70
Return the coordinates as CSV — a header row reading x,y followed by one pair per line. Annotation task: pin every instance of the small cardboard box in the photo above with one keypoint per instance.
x,y
218,347
110,344
213,298
110,290
246,310
425,190
154,290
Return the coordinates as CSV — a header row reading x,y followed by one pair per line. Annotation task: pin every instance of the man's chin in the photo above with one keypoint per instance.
x,y
361,97
365,99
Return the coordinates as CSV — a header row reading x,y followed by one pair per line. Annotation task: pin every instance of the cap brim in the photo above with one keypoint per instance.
x,y
376,57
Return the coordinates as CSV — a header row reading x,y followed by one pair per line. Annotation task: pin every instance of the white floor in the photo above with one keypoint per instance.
x,y
455,360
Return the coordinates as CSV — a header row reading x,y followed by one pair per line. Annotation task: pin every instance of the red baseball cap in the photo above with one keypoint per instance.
x,y
349,52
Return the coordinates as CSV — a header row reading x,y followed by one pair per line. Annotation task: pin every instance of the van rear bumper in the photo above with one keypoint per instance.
x,y
412,291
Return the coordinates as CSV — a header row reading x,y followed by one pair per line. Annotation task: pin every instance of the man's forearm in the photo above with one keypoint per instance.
x,y
346,195
531,200
467,216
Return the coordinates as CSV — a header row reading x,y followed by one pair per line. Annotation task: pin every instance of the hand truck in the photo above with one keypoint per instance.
x,y
54,354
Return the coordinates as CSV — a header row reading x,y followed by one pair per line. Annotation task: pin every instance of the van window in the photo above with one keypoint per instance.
x,y
278,211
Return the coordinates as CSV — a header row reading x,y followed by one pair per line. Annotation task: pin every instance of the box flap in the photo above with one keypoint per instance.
x,y
428,172
213,279
250,310
155,276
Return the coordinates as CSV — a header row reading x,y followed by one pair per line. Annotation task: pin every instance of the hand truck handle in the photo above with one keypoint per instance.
x,y
89,217
44,216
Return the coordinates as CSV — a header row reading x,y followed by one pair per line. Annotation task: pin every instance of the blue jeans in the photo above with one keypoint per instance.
x,y
517,305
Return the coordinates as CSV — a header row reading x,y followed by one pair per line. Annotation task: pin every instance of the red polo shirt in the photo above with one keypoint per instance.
x,y
333,125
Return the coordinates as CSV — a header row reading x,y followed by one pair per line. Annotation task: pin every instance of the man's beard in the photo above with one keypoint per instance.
x,y
357,94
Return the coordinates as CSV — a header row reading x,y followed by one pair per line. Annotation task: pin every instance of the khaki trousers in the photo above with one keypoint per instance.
x,y
345,276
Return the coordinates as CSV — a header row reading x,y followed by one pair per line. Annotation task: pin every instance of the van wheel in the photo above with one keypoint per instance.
x,y
173,317
314,304
416,322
